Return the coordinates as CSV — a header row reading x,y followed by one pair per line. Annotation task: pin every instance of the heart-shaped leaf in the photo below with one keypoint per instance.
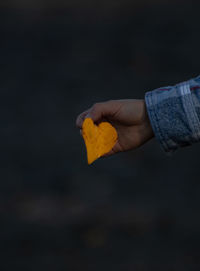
x,y
99,140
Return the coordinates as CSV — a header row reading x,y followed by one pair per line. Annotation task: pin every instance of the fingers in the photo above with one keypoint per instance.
x,y
80,119
99,111
102,110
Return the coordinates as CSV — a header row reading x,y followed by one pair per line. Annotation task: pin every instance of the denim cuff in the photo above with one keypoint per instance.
x,y
173,116
157,126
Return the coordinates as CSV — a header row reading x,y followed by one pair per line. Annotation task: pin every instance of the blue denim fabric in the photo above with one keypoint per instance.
x,y
174,113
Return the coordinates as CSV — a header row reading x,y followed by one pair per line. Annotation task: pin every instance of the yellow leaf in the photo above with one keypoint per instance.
x,y
99,140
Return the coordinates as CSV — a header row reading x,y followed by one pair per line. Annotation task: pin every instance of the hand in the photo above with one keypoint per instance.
x,y
129,117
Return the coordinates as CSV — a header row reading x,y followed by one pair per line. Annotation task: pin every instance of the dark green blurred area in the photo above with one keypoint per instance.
x,y
135,211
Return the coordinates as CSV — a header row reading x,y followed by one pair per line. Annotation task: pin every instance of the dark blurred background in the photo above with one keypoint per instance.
x,y
134,211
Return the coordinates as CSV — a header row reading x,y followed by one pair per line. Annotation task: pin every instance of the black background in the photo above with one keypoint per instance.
x,y
134,211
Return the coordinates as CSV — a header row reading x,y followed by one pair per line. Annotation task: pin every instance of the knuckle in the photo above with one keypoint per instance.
x,y
96,106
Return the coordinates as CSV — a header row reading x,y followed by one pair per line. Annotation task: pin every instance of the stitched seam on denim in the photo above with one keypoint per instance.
x,y
197,122
190,111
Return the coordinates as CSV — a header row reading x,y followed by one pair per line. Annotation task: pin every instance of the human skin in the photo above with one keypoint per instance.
x,y
129,117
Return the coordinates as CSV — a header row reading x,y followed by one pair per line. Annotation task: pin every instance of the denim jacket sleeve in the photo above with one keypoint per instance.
x,y
174,113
